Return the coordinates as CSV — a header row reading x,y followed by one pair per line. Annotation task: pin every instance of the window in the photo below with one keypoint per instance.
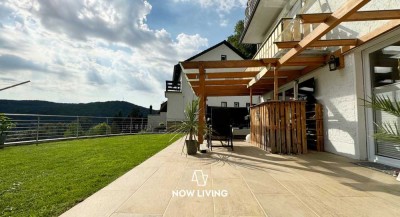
x,y
236,104
385,82
223,57
224,104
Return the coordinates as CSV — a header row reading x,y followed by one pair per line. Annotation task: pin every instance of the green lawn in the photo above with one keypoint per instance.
x,y
48,179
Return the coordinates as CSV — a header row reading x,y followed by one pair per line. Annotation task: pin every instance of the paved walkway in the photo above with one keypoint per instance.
x,y
256,184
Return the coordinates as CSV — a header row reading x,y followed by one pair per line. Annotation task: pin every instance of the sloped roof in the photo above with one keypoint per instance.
x,y
215,46
163,107
177,69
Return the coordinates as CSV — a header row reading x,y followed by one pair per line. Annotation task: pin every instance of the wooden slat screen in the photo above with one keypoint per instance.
x,y
279,126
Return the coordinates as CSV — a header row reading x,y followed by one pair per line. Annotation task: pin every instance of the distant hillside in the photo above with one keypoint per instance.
x,y
103,109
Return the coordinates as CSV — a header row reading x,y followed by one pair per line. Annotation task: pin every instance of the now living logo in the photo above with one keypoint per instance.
x,y
201,181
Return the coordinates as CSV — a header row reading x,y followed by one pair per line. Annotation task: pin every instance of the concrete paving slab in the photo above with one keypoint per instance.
x,y
257,184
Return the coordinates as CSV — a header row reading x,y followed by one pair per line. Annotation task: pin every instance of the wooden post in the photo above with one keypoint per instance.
x,y
202,103
276,85
251,96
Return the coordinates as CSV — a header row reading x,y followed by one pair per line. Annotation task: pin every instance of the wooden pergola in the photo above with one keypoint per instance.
x,y
208,81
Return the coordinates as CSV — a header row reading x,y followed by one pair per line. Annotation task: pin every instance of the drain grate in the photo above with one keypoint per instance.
x,y
378,167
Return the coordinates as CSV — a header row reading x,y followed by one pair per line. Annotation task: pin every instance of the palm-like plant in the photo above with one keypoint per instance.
x,y
385,131
190,126
191,123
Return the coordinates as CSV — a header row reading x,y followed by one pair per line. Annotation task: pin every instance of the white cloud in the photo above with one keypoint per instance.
x,y
89,50
223,6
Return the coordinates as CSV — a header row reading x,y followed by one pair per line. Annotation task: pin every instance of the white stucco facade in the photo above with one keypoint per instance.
x,y
156,120
178,100
348,131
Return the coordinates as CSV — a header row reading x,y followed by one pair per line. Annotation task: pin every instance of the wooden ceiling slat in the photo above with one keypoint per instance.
x,y
358,16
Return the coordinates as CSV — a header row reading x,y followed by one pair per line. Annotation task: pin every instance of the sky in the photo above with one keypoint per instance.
x,y
79,51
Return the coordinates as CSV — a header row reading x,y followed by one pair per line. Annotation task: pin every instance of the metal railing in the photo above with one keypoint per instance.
x,y
37,128
173,86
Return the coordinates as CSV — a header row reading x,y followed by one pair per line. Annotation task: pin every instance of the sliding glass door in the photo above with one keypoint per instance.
x,y
385,82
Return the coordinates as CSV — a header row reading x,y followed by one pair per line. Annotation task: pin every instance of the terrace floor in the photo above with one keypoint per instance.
x,y
257,184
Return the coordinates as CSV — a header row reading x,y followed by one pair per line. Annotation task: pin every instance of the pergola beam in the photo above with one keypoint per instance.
x,y
319,43
379,31
232,88
242,75
225,64
235,94
216,75
297,61
357,16
331,22
210,83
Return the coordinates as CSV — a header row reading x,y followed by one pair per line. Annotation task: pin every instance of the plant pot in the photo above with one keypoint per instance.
x,y
2,141
191,146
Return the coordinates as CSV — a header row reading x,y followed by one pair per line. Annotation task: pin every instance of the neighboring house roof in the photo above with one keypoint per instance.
x,y
163,107
215,46
178,70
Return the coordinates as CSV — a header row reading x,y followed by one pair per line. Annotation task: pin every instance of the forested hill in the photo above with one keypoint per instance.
x,y
103,109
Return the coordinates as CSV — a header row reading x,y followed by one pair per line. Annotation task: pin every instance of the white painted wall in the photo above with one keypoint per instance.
x,y
215,54
336,92
216,101
339,91
175,106
154,120
178,101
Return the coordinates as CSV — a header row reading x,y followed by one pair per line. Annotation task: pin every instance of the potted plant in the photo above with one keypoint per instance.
x,y
5,125
190,126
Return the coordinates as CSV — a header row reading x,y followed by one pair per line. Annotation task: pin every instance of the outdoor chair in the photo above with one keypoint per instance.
x,y
221,133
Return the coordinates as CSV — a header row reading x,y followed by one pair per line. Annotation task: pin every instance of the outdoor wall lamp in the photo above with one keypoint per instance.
x,y
333,63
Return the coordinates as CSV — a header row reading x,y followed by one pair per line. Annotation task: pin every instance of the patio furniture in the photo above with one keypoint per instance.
x,y
240,132
221,133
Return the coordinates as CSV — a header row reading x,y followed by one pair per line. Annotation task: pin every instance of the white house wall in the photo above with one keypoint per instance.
x,y
155,120
175,106
216,101
178,101
338,91
215,54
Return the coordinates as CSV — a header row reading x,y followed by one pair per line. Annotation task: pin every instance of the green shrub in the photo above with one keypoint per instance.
x,y
99,129
72,129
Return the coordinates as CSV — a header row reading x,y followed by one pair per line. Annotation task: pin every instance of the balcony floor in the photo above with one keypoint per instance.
x,y
258,184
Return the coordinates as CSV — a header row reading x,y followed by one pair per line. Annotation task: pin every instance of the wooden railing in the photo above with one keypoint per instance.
x,y
279,127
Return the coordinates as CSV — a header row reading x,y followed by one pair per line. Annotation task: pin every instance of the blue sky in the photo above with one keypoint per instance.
x,y
97,50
